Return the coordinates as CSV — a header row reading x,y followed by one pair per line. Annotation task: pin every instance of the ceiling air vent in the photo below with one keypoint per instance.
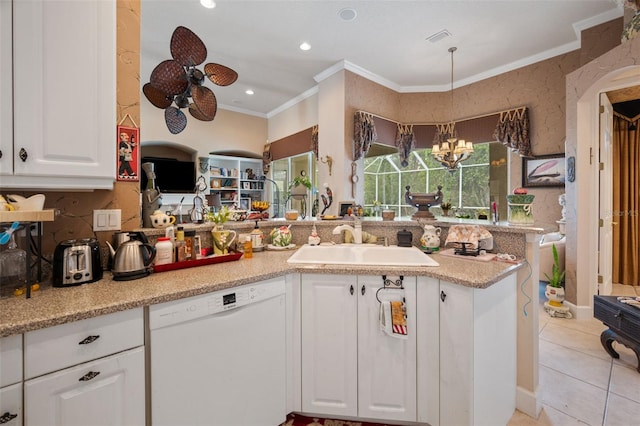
x,y
434,38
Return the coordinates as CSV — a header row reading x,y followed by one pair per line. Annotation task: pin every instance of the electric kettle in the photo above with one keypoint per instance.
x,y
132,259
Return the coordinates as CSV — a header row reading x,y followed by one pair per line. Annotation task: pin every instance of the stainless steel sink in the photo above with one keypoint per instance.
x,y
356,254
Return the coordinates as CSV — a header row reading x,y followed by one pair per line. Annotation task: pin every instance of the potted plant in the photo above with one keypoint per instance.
x,y
219,217
299,186
554,291
446,206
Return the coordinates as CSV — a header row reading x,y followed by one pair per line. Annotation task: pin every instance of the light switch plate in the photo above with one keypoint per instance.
x,y
107,220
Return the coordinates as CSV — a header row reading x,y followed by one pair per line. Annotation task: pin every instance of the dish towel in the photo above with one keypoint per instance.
x,y
393,318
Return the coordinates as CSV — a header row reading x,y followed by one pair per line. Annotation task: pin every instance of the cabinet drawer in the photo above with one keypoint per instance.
x,y
109,391
11,405
617,315
70,344
11,356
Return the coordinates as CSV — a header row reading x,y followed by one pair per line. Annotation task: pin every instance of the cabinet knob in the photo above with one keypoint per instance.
x,y
88,340
363,289
351,289
7,417
0,154
23,154
89,376
443,295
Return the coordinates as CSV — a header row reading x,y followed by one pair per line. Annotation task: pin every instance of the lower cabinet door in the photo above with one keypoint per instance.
x,y
11,405
329,345
386,363
108,391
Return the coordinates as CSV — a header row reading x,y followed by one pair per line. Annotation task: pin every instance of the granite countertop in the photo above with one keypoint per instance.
x,y
53,306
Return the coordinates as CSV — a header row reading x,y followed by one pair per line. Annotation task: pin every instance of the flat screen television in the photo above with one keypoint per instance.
x,y
172,176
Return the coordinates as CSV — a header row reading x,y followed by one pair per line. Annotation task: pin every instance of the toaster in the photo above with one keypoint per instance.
x,y
77,262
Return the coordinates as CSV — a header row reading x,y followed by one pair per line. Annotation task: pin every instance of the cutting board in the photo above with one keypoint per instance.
x,y
481,257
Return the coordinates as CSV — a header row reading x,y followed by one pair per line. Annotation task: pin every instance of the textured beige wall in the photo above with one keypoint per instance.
x,y
229,131
540,86
300,116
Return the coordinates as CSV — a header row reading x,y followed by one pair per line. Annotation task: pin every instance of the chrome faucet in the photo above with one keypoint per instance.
x,y
356,231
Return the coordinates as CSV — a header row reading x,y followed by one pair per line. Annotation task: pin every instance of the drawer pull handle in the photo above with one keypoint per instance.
x,y
90,375
88,340
7,417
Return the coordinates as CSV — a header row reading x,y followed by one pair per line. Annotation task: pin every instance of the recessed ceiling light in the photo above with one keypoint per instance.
x,y
305,46
347,14
209,4
249,92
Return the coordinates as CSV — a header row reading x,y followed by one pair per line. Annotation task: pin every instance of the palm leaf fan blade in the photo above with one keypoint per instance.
x,y
187,48
169,77
157,97
220,74
204,101
175,119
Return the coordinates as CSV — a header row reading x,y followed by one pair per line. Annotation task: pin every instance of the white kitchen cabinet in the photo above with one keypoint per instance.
x,y
90,371
349,366
11,380
11,405
329,344
477,353
63,111
229,176
11,357
109,391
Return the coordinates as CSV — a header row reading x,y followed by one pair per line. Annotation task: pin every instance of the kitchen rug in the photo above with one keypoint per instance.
x,y
300,420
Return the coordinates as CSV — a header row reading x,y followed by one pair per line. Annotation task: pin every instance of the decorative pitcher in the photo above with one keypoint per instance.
x,y
222,239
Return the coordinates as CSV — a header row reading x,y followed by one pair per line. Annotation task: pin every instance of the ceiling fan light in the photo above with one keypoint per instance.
x,y
209,4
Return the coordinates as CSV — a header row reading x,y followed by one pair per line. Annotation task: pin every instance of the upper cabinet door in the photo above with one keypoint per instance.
x,y
64,82
6,89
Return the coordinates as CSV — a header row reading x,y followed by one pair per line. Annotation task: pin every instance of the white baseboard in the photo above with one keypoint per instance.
x,y
580,312
528,402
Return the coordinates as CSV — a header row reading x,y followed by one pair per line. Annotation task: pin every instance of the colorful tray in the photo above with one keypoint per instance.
x,y
219,258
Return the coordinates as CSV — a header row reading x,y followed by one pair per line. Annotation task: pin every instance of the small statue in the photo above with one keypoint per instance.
x,y
562,200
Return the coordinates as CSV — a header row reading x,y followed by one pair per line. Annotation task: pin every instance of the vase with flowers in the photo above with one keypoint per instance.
x,y
222,238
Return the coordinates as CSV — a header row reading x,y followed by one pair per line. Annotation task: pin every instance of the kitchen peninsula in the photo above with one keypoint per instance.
x,y
455,279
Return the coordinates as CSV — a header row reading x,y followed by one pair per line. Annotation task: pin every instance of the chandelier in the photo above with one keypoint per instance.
x,y
447,149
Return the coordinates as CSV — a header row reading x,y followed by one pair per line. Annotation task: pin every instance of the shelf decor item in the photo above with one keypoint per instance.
x,y
520,207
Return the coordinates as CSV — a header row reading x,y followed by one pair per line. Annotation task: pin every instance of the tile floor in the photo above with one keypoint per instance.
x,y
580,384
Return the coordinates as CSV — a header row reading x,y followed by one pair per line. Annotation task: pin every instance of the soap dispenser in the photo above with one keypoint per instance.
x,y
257,238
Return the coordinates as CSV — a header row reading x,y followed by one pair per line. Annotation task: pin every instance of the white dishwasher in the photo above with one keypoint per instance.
x,y
219,359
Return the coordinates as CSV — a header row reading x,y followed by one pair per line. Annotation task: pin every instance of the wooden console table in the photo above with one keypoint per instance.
x,y
623,321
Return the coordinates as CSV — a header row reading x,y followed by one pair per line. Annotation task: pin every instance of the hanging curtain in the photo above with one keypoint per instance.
x,y
364,134
266,159
626,202
513,131
314,140
406,142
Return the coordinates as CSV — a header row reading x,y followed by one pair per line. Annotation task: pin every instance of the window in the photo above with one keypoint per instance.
x,y
468,188
284,170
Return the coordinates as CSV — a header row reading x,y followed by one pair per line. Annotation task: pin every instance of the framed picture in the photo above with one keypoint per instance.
x,y
245,203
127,142
544,171
246,185
215,183
345,206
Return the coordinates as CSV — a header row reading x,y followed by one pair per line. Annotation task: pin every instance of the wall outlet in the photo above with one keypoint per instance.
x,y
107,220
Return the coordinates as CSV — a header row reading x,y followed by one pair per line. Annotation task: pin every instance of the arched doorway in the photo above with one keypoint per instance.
x,y
583,109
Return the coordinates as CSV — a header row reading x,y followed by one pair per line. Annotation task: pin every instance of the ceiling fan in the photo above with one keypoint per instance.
x,y
178,81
